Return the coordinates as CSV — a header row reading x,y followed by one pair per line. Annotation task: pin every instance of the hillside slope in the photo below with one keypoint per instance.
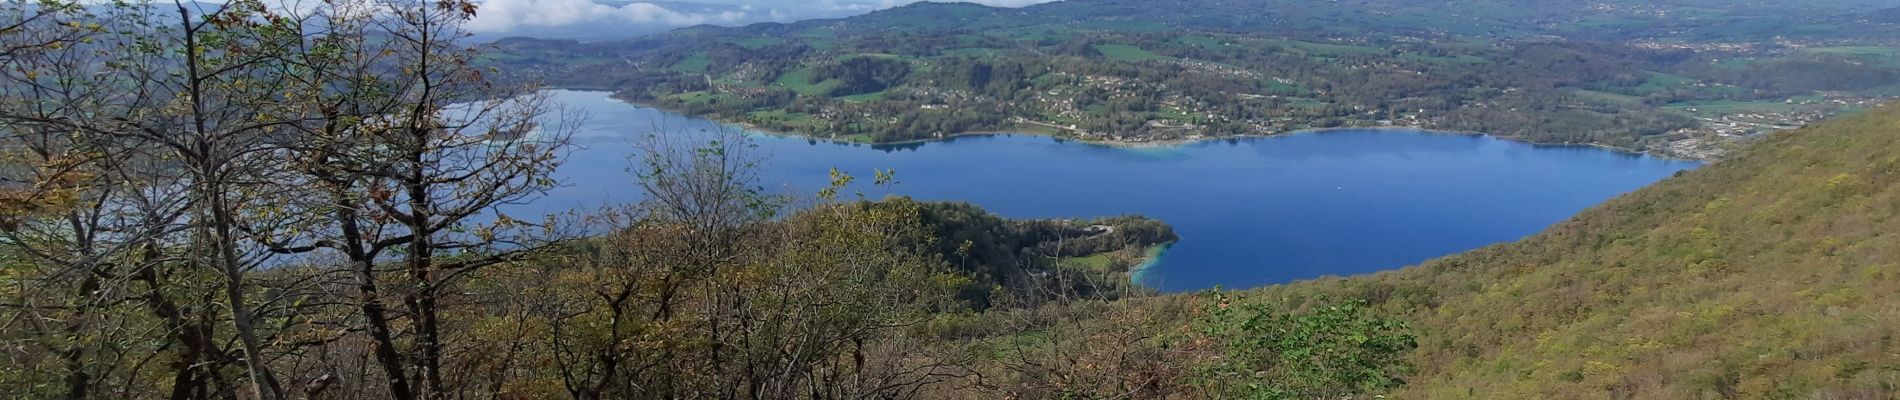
x,y
1775,274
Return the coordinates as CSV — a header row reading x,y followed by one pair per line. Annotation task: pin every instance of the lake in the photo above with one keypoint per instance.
x,y
1250,212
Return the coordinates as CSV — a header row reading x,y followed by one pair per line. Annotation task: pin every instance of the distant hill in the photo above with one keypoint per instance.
x,y
1637,75
1889,15
1622,19
1775,274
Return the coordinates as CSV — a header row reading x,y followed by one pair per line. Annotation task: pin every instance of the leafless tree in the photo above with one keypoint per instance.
x,y
189,148
415,158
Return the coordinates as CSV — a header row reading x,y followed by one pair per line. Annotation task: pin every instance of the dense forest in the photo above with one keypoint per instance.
x,y
1119,71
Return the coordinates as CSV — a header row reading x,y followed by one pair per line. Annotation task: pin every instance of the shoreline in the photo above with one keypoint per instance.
x,y
1168,143
1151,259
1144,272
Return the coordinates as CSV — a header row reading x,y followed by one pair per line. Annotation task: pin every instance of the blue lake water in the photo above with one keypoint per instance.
x,y
1250,212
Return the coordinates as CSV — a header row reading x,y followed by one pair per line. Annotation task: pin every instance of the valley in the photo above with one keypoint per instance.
x,y
1121,72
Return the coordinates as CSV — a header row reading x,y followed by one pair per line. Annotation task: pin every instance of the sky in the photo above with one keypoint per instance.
x,y
598,19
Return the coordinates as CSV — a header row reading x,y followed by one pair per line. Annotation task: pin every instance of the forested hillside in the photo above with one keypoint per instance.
x,y
1629,74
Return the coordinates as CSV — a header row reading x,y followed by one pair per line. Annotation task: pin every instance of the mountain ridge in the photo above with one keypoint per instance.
x,y
1627,75
1519,18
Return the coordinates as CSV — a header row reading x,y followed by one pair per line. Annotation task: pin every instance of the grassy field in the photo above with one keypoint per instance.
x,y
1177,115
1097,262
800,81
696,64
1659,82
859,98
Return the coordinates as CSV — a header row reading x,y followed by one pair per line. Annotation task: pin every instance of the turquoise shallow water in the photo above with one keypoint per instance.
x,y
1250,212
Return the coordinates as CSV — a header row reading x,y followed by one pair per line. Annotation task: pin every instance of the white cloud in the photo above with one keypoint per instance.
x,y
497,16
591,18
